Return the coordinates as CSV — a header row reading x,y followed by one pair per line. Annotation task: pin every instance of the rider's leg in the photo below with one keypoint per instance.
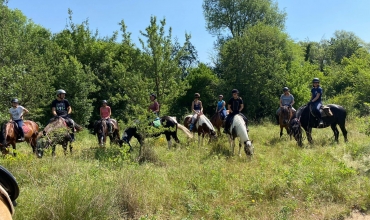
x,y
318,114
70,124
20,127
109,125
227,123
193,118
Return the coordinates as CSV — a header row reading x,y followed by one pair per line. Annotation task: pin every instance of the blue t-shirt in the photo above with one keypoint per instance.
x,y
220,104
314,92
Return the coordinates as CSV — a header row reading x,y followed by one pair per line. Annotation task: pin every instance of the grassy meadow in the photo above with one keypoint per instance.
x,y
324,180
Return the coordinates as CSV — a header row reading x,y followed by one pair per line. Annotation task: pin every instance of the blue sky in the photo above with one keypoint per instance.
x,y
306,19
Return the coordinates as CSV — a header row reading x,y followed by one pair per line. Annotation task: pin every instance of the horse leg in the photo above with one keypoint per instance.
x,y
232,143
70,147
240,146
344,131
199,139
336,132
168,138
308,134
53,150
281,131
14,149
174,136
65,145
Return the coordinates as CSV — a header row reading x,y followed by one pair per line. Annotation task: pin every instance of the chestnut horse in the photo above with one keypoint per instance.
x,y
9,135
217,122
203,126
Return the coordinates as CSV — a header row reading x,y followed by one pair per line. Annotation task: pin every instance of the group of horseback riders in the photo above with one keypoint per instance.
x,y
60,107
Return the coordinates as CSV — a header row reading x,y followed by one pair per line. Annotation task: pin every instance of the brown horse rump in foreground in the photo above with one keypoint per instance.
x,y
9,135
56,132
9,192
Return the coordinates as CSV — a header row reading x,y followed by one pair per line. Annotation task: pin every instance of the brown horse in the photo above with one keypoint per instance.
x,y
101,130
56,132
285,116
217,122
9,135
203,126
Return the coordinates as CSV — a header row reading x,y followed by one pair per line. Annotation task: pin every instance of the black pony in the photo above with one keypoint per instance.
x,y
168,127
306,118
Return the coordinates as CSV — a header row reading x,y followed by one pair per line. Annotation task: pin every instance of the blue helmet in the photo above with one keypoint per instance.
x,y
316,80
235,91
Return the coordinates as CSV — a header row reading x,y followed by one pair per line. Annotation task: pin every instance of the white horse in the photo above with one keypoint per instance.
x,y
203,126
238,129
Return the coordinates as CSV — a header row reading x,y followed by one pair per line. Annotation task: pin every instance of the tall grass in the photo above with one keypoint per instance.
x,y
324,180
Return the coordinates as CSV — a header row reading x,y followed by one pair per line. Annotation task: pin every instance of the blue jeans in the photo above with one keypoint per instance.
x,y
316,109
223,114
20,125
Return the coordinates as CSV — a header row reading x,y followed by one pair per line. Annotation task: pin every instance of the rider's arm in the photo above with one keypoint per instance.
x,y
54,111
100,113
109,110
292,102
281,103
229,108
157,107
69,109
11,117
316,98
201,106
192,107
25,111
241,107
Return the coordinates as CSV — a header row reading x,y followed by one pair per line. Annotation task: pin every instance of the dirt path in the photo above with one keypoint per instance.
x,y
356,215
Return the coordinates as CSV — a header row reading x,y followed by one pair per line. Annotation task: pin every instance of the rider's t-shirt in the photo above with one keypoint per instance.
x,y
314,92
16,112
220,105
197,106
154,106
104,112
61,107
235,104
286,100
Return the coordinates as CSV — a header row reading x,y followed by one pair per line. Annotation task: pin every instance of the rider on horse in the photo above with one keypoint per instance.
x,y
196,108
61,107
154,107
316,94
235,105
16,114
105,113
286,99
220,108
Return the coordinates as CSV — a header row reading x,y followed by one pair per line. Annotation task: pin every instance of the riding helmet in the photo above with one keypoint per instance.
x,y
61,91
285,89
315,80
197,95
15,100
104,102
220,96
235,91
153,95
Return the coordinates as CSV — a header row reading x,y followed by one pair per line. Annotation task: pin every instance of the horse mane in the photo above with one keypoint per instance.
x,y
241,130
203,119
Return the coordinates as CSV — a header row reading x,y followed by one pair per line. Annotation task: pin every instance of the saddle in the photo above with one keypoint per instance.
x,y
25,128
324,111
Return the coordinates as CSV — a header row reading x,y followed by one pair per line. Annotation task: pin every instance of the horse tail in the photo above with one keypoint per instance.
x,y
185,130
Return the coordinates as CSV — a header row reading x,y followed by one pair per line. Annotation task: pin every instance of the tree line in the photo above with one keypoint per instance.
x,y
253,54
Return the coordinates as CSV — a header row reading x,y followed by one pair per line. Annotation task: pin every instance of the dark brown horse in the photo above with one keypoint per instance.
x,y
203,126
285,116
56,132
217,122
101,130
9,135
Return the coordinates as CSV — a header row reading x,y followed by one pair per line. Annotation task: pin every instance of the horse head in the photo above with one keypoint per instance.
x,y
248,148
285,115
296,130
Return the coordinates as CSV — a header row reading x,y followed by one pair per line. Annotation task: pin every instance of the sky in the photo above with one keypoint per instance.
x,y
306,19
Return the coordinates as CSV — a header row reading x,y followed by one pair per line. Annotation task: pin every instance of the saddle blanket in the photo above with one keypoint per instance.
x,y
26,129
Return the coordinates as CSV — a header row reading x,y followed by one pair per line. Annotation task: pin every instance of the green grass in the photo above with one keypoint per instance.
x,y
324,180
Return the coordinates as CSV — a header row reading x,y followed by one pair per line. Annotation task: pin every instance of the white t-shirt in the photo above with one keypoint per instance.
x,y
16,112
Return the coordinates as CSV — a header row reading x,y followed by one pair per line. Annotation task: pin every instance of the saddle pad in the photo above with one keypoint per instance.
x,y
7,199
26,129
157,123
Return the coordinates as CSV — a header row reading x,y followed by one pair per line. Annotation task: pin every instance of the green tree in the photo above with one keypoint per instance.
x,y
162,71
234,16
